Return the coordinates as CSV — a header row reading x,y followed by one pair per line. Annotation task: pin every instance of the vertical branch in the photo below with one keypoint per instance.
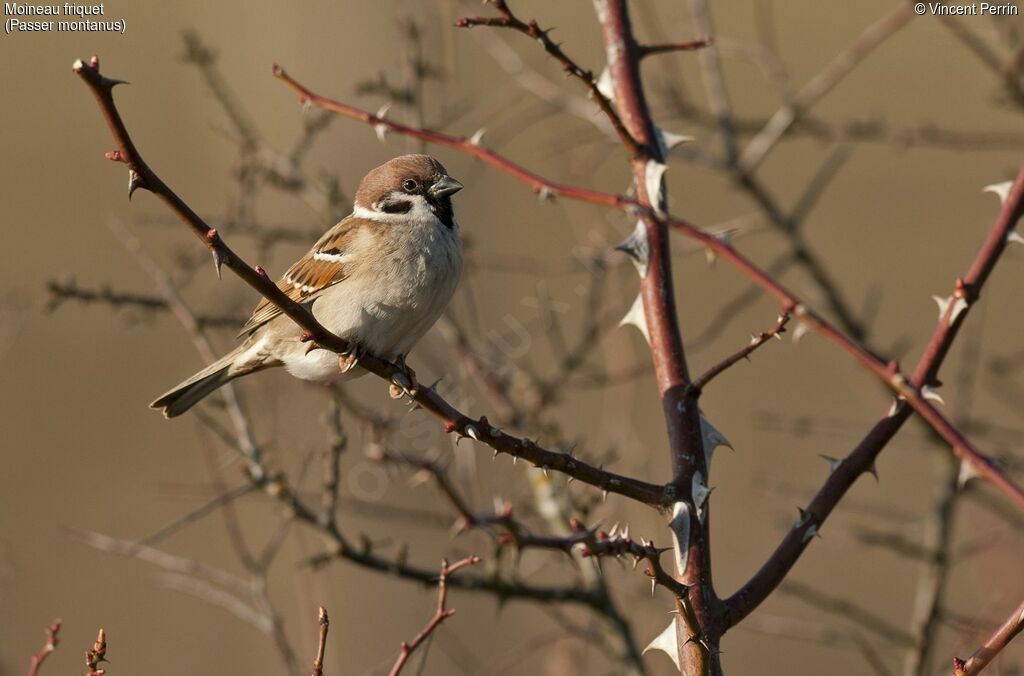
x,y
325,626
697,645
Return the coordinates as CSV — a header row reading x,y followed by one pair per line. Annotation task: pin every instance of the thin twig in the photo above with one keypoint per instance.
x,y
666,47
442,613
52,639
325,625
698,384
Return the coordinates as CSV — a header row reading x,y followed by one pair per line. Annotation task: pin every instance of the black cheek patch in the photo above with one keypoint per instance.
x,y
396,206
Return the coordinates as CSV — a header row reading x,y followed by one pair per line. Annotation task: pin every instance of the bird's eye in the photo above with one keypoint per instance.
x,y
409,185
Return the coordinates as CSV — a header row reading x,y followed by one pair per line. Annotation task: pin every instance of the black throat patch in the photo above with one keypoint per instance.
x,y
442,208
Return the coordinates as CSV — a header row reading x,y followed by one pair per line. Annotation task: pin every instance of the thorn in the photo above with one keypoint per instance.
x,y
873,470
544,193
218,262
478,137
637,248
115,156
380,128
801,330
954,304
929,392
261,272
654,584
110,83
833,463
1002,190
134,182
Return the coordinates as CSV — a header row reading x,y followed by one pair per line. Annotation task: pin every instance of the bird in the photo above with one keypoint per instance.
x,y
379,278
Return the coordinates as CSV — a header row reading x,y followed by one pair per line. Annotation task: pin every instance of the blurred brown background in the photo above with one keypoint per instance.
x,y
82,451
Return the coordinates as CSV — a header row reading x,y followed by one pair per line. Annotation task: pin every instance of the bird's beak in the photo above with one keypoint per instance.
x,y
444,186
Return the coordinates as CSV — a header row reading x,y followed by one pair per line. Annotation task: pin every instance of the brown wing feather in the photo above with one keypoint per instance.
x,y
319,269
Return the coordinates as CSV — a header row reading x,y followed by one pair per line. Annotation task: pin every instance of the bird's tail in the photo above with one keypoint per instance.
x,y
187,394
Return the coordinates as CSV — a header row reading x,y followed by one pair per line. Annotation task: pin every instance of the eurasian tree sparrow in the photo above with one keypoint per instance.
x,y
380,279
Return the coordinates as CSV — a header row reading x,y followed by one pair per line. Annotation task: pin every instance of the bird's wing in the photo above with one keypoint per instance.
x,y
326,264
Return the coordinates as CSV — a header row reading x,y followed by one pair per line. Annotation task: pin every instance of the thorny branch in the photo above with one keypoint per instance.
x,y
591,542
756,341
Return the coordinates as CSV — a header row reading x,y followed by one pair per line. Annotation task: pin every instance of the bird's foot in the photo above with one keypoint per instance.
x,y
403,380
349,360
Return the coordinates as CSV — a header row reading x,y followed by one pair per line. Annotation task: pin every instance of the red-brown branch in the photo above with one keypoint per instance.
x,y
52,639
756,341
442,613
862,458
454,420
995,643
698,632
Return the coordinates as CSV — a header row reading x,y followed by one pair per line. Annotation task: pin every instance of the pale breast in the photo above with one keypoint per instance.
x,y
389,303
